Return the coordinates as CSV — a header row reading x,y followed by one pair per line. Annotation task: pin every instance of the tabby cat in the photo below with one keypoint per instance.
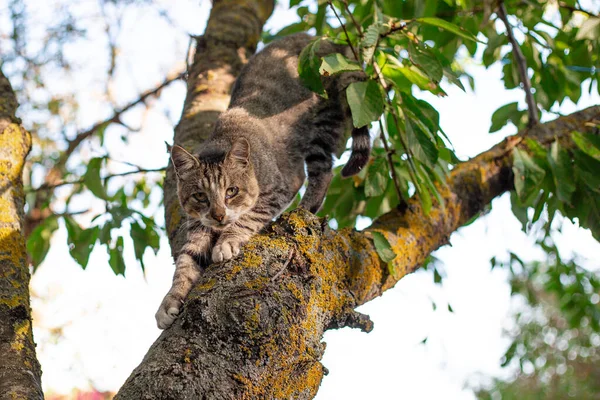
x,y
253,165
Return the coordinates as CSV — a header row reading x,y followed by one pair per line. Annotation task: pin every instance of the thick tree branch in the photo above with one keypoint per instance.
x,y
522,67
20,373
252,327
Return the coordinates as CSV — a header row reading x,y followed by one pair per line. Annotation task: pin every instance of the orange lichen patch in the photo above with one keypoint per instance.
x,y
22,335
12,247
258,283
13,301
187,356
205,286
250,260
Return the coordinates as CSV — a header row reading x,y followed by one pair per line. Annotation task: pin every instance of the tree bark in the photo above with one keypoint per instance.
x,y
252,327
20,373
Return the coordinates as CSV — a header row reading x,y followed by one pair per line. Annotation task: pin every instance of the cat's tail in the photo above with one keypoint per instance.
x,y
361,148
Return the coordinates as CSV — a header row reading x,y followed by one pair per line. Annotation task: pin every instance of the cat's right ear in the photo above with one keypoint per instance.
x,y
182,160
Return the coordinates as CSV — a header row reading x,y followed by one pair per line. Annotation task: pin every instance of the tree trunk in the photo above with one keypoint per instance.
x,y
20,373
252,327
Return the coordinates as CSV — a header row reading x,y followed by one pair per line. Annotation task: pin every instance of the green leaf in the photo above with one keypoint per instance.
x,y
116,257
369,42
586,169
450,27
562,171
506,113
519,211
38,242
92,178
138,235
371,36
383,247
425,60
437,278
366,102
528,176
414,131
377,177
336,63
308,68
589,143
81,241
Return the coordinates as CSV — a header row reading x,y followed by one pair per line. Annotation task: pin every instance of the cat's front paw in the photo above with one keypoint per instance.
x,y
168,311
226,250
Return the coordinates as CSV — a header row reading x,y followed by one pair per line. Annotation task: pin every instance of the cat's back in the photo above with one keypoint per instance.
x,y
269,83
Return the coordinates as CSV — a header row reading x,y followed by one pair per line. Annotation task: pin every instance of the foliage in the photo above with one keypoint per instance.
x,y
72,163
555,341
407,47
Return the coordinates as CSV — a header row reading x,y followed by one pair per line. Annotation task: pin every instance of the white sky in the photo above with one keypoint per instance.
x,y
107,323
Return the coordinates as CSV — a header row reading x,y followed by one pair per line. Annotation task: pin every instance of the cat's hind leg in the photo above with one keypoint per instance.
x,y
318,166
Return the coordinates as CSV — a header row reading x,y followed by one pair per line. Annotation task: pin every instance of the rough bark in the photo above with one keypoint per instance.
x,y
20,373
252,327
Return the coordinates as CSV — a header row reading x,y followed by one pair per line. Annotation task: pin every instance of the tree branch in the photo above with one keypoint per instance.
x,y
521,65
250,330
81,136
20,373
105,178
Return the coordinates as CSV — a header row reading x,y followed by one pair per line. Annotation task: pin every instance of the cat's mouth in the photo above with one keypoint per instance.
x,y
211,223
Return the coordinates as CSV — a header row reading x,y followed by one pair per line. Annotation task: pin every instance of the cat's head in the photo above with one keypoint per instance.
x,y
219,190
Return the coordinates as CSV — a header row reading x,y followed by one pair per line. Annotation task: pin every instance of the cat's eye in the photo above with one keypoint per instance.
x,y
232,191
201,197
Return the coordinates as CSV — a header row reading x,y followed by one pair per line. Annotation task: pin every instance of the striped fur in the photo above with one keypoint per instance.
x,y
254,164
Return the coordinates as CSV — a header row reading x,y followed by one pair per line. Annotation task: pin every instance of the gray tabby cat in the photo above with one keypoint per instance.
x,y
252,166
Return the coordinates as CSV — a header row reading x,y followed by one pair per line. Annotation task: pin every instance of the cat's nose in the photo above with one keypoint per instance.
x,y
219,217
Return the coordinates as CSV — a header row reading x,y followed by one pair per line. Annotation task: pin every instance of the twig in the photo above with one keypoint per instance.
x,y
345,31
81,180
356,24
522,66
390,161
411,168
73,144
285,265
383,83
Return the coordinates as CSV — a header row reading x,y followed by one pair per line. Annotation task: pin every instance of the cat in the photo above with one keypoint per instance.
x,y
253,164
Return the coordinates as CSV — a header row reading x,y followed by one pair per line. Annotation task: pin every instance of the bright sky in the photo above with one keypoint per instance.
x,y
93,328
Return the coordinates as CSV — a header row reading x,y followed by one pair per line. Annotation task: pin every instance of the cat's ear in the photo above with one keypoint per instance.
x,y
182,160
240,152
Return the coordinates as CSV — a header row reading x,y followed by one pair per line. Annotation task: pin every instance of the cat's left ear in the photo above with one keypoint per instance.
x,y
240,152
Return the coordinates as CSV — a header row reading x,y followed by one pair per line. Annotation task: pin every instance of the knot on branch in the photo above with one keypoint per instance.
x,y
352,319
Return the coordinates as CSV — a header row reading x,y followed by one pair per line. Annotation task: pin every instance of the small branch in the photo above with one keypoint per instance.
x,y
411,170
522,66
73,144
107,177
395,28
345,31
389,153
356,24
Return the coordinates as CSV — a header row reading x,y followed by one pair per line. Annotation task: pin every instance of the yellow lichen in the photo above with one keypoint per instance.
x,y
22,332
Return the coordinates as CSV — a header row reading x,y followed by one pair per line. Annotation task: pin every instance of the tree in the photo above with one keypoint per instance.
x,y
20,371
252,327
